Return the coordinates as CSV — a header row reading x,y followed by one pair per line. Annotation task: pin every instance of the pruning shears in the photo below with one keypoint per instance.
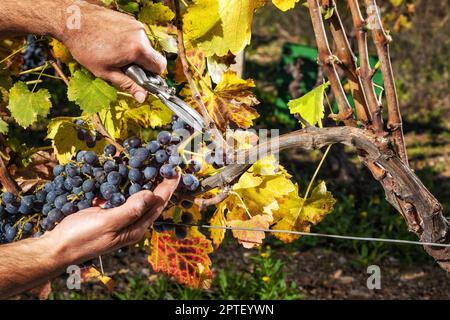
x,y
156,85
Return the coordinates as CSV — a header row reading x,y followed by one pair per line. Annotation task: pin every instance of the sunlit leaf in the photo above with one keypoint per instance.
x,y
220,26
155,13
27,106
90,93
285,5
250,238
186,260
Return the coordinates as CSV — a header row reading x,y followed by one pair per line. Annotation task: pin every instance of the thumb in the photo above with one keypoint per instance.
x,y
122,81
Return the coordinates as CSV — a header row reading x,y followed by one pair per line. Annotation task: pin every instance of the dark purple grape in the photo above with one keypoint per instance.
x,y
110,150
161,156
181,232
142,154
90,140
90,157
8,197
194,166
110,166
57,170
69,208
168,171
107,190
187,218
164,137
114,178
117,199
134,188
150,173
153,146
135,175
88,185
55,215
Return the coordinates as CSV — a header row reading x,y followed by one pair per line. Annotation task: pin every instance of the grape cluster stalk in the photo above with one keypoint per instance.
x,y
111,177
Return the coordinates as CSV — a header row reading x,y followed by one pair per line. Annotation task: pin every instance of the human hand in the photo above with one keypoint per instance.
x,y
95,231
109,40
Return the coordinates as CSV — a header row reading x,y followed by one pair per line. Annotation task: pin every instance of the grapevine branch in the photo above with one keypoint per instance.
x,y
402,187
365,72
381,40
327,61
347,60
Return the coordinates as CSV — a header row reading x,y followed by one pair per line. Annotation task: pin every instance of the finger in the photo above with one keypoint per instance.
x,y
151,60
162,193
134,209
122,81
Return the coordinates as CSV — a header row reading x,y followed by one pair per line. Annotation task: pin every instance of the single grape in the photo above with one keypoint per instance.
x,y
46,209
188,179
107,190
150,173
123,170
58,169
90,157
69,208
132,152
181,232
134,142
161,156
40,196
164,137
49,186
110,150
158,227
80,156
71,170
24,209
68,184
135,163
51,196
194,166
10,234
100,176
84,204
142,154
153,146
55,215
89,196
88,185
8,197
186,204
87,169
117,199
28,200
148,186
60,201
110,166
134,188
175,160
114,178
81,134
77,181
27,228
168,171
187,218
135,175
90,140
172,150
11,209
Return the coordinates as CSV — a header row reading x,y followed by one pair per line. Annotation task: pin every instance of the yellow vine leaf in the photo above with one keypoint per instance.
x,y
27,106
126,112
197,58
285,5
251,239
3,127
60,51
296,214
310,106
93,273
186,260
230,101
220,26
218,220
156,13
64,139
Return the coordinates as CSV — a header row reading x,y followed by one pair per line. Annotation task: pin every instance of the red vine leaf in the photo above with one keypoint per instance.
x,y
186,260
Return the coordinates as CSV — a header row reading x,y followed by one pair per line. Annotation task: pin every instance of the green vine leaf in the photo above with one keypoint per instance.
x,y
27,106
90,93
3,127
310,106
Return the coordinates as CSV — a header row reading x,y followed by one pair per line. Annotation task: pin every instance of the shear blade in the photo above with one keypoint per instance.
x,y
185,112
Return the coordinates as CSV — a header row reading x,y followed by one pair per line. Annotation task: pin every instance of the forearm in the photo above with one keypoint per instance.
x,y
42,17
27,264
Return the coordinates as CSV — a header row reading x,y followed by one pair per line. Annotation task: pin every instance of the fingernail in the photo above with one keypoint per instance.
x,y
140,96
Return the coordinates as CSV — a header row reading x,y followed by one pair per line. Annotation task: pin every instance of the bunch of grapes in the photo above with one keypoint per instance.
x,y
111,177
35,54
90,137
